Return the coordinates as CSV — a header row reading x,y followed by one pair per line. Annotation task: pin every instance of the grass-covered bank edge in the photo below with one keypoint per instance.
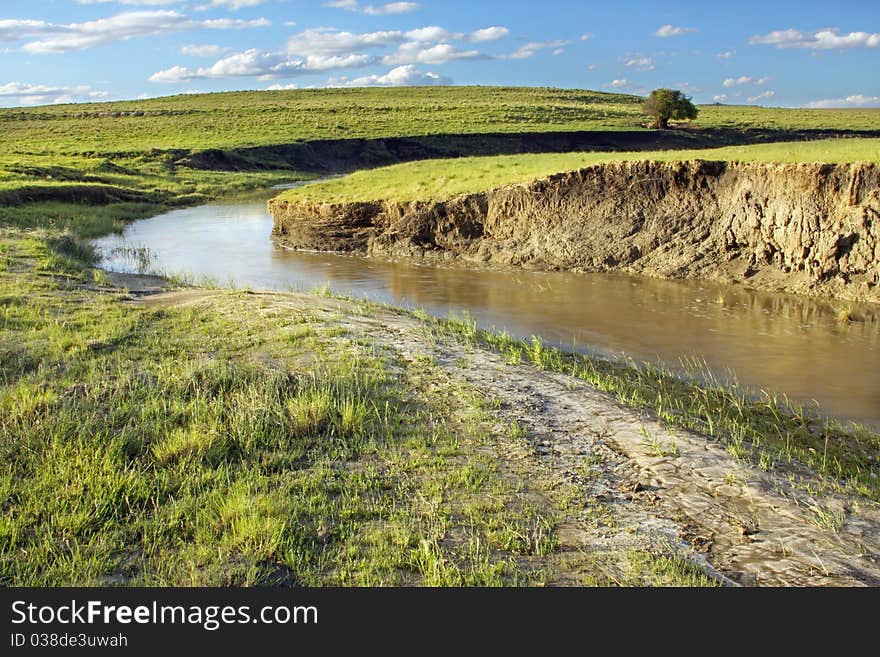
x,y
91,210
766,430
442,179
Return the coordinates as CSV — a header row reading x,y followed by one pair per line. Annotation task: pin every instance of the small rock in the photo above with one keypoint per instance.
x,y
743,579
747,530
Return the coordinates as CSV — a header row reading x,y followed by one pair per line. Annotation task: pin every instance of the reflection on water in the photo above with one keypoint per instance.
x,y
774,342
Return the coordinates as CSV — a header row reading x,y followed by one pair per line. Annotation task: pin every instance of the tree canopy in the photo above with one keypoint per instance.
x,y
666,104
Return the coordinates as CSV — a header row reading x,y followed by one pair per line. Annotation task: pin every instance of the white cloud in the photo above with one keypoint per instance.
x,y
65,37
856,100
151,3
79,36
488,34
531,49
173,74
745,79
331,41
202,51
324,49
720,98
233,23
672,30
639,63
828,38
761,96
586,36
432,33
424,45
727,54
264,65
327,63
282,87
389,8
402,76
436,34
15,30
234,5
416,52
619,84
21,93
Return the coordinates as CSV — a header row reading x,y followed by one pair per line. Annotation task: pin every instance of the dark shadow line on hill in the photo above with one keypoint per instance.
x,y
344,155
88,194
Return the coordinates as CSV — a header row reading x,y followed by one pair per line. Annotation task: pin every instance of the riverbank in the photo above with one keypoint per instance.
x,y
303,439
801,228
762,340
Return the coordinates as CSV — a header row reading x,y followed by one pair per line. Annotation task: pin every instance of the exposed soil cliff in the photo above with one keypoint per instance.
x,y
804,228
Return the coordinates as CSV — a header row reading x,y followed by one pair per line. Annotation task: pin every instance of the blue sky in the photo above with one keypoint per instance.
x,y
775,53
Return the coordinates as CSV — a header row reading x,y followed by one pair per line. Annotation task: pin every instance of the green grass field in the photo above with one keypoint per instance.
x,y
440,179
225,443
143,150
241,119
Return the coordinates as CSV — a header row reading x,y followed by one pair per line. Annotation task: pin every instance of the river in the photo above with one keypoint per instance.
x,y
786,344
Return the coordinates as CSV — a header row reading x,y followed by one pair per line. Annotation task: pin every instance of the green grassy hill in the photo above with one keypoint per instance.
x,y
141,156
127,159
241,119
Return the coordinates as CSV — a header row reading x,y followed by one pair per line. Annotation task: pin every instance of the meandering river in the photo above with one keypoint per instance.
x,y
789,345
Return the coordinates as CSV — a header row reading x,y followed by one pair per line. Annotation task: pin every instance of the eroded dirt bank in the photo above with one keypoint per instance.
x,y
803,228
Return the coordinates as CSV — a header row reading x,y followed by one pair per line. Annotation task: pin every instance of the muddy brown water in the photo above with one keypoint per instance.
x,y
789,345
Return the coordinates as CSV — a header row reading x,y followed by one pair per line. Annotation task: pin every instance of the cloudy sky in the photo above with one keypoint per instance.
x,y
779,53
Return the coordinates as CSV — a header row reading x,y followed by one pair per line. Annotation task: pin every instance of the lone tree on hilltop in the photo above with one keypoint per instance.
x,y
666,104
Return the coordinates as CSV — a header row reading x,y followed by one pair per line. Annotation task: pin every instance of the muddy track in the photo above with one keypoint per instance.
x,y
750,525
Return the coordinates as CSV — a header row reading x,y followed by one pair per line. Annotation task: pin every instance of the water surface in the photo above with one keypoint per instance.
x,y
781,343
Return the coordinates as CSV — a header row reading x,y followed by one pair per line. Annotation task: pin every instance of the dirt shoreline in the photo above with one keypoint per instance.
x,y
802,228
